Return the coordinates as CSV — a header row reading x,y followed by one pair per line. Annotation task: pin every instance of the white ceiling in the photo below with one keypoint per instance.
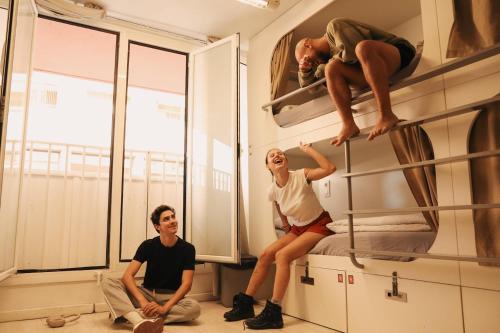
x,y
384,14
197,18
221,18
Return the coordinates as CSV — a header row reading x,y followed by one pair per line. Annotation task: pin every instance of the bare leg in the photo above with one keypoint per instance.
x,y
265,260
338,77
285,256
379,61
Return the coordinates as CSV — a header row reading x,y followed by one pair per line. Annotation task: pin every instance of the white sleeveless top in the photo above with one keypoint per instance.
x,y
296,199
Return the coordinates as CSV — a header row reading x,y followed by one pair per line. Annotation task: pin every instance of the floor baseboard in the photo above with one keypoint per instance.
x,y
35,313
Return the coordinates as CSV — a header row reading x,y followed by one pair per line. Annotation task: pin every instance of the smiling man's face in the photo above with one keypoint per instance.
x,y
168,223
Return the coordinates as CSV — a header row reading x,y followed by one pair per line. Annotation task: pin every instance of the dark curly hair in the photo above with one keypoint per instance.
x,y
155,215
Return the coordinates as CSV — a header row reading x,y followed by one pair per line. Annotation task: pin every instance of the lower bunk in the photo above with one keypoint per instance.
x,y
329,291
391,294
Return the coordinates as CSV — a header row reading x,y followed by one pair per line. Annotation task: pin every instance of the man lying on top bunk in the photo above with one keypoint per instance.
x,y
356,54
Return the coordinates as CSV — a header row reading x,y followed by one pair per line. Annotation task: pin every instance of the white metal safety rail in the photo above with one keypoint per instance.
x,y
415,122
430,73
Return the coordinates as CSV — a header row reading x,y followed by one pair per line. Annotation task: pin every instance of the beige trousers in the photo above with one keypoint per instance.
x,y
120,302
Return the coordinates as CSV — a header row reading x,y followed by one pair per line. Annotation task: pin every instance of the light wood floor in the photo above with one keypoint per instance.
x,y
211,320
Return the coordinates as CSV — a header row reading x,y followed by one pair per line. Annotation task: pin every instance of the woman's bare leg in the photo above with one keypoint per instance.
x,y
265,260
286,255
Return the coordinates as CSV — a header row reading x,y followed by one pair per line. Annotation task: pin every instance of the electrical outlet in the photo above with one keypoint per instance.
x,y
326,188
98,277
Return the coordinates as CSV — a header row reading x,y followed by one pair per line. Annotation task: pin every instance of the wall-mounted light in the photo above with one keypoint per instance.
x,y
272,4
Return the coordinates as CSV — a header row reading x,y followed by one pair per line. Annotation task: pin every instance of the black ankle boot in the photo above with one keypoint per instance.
x,y
270,317
242,308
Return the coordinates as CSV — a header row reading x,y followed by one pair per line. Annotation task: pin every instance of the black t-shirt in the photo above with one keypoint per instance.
x,y
165,264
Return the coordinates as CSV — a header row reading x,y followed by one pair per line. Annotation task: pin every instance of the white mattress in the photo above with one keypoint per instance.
x,y
403,241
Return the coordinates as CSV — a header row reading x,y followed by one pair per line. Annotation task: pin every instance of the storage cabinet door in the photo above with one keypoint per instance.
x,y
481,310
322,302
430,307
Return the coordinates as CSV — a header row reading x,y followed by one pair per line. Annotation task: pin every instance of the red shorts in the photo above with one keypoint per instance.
x,y
317,226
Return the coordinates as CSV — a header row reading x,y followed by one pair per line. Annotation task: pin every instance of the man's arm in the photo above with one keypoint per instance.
x,y
128,280
187,282
308,77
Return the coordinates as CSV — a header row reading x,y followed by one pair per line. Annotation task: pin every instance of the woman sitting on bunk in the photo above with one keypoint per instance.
x,y
305,222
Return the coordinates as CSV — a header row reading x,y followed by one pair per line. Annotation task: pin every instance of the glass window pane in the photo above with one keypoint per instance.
x,y
214,139
154,141
24,13
68,147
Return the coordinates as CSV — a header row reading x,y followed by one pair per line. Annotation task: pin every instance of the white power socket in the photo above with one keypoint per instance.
x,y
326,189
98,277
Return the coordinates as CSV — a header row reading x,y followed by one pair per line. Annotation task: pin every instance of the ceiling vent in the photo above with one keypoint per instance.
x,y
72,9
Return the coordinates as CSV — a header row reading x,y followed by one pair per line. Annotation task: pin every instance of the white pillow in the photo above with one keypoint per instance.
x,y
385,220
339,229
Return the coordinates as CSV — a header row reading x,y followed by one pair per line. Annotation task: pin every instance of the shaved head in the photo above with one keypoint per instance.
x,y
300,49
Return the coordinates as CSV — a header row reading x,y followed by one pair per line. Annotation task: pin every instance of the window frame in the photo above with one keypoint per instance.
x,y
186,85
113,128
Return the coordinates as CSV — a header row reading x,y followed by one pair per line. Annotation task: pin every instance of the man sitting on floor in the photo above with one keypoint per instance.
x,y
169,276
354,54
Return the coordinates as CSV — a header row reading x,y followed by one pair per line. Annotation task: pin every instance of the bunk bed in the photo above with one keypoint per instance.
x,y
407,235
322,105
401,233
384,245
466,157
338,291
347,288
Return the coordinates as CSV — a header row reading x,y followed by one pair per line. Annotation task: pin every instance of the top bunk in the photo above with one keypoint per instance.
x,y
290,104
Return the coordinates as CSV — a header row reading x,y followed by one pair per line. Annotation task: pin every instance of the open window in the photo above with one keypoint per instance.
x,y
408,232
402,18
212,194
155,123
205,182
66,177
16,89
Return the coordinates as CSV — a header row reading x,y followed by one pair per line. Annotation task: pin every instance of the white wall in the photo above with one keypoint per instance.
x,y
410,30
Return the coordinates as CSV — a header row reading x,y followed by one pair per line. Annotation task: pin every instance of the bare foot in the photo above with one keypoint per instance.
x,y
347,132
383,126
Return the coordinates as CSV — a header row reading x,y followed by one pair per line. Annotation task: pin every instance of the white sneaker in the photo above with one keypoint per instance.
x,y
149,326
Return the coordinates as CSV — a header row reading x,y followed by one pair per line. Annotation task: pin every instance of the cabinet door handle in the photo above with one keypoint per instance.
x,y
306,279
